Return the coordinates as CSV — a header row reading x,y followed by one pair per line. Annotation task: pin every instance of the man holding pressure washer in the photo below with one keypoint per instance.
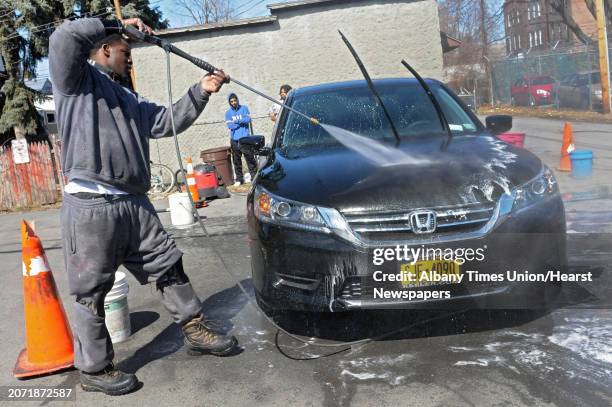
x,y
107,219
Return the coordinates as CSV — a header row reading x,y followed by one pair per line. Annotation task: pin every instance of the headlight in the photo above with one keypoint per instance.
x,y
540,187
280,211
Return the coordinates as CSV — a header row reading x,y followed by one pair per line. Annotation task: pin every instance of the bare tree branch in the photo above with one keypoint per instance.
x,y
563,9
207,11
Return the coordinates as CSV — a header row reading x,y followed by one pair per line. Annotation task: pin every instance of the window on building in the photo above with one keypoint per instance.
x,y
540,36
530,40
519,41
538,11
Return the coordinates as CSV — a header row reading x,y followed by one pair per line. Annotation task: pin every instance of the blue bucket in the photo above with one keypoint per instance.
x,y
582,163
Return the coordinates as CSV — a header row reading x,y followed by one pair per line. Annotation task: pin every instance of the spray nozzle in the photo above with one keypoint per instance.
x,y
314,121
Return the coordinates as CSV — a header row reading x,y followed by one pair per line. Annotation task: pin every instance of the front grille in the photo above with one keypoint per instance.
x,y
395,225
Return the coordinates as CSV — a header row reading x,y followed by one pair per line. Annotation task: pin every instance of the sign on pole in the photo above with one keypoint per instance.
x,y
20,151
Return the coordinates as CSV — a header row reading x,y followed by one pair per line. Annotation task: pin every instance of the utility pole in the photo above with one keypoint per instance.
x,y
120,17
604,62
485,44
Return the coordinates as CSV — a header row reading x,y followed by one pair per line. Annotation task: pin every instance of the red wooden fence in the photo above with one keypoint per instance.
x,y
30,184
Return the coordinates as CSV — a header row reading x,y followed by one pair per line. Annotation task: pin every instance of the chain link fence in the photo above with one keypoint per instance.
x,y
566,80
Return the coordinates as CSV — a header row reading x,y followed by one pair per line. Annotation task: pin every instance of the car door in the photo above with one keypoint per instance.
x,y
521,93
564,90
572,96
581,92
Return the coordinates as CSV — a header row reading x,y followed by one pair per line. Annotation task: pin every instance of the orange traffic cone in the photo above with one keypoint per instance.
x,y
191,184
567,147
48,337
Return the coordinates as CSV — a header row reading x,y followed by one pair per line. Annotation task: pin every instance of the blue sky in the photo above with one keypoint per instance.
x,y
248,8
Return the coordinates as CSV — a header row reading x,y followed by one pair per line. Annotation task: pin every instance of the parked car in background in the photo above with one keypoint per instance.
x,y
579,91
532,91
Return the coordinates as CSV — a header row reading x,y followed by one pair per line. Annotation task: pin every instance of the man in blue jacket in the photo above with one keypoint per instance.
x,y
238,120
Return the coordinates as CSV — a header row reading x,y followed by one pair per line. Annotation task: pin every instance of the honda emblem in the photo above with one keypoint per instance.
x,y
422,221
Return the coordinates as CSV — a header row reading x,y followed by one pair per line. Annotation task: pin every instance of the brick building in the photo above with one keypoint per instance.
x,y
533,25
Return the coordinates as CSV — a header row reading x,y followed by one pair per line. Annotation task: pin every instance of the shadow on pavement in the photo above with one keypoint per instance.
x,y
225,305
142,319
219,307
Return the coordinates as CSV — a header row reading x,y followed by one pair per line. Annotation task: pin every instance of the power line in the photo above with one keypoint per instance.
x,y
47,26
250,8
244,5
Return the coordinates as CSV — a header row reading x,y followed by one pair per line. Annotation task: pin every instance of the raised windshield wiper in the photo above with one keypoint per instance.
x,y
371,86
434,101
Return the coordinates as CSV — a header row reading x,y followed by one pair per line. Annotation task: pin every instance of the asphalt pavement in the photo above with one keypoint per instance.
x,y
560,356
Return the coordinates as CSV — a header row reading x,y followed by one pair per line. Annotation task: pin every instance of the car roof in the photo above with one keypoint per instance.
x,y
536,76
326,87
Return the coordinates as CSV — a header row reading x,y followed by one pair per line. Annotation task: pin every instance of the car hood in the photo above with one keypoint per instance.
x,y
472,169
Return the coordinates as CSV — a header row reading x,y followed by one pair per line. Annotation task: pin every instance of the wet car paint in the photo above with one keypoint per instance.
x,y
305,270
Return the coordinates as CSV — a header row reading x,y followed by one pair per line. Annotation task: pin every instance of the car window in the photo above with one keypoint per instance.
x,y
542,80
595,77
355,109
458,119
567,80
581,80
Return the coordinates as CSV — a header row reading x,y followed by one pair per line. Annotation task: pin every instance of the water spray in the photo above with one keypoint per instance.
x,y
169,48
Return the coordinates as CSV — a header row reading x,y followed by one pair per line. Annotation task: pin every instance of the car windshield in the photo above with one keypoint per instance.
x,y
542,80
355,109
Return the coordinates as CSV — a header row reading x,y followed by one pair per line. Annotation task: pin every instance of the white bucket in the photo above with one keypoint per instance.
x,y
180,209
117,310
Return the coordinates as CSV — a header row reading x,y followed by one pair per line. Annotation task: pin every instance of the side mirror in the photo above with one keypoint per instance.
x,y
264,151
499,123
252,142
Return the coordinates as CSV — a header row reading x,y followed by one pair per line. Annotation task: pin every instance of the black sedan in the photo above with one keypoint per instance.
x,y
333,228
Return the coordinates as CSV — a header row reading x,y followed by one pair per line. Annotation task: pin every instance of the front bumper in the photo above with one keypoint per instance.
x,y
543,99
301,270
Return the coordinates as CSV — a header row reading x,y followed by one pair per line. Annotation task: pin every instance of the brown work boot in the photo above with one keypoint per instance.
x,y
200,339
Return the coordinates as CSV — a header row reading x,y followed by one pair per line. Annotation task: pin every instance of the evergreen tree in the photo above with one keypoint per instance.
x,y
25,27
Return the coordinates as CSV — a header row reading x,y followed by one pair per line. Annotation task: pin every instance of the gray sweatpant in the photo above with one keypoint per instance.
x,y
99,235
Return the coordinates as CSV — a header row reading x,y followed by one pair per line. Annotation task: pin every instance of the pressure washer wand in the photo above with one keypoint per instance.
x,y
168,47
